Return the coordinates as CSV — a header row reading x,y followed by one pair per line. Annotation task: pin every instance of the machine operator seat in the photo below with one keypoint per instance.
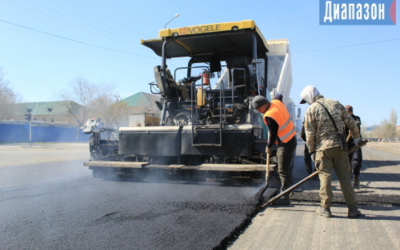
x,y
241,76
239,72
172,89
157,76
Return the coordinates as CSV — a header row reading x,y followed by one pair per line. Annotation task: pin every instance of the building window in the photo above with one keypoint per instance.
x,y
52,119
44,119
35,119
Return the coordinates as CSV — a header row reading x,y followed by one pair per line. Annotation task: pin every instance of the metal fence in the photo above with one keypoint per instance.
x,y
18,131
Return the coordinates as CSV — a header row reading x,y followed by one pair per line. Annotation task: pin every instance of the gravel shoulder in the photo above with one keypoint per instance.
x,y
389,147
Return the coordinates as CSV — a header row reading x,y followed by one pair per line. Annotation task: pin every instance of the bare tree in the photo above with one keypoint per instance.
x,y
364,131
111,110
80,92
96,100
386,130
8,99
393,117
87,95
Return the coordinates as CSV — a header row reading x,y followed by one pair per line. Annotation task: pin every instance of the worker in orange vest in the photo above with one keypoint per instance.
x,y
281,132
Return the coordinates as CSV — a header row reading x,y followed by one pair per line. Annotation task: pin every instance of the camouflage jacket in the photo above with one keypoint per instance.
x,y
320,132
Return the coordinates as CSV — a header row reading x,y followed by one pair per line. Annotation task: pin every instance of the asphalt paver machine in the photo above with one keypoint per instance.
x,y
208,127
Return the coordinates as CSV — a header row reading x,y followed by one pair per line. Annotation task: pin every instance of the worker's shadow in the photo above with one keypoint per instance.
x,y
366,210
367,216
385,213
374,163
380,188
386,177
381,217
363,191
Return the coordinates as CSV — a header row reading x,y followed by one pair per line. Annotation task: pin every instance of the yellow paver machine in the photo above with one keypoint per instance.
x,y
207,124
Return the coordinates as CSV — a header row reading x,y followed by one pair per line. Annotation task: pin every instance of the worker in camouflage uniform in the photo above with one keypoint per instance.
x,y
323,143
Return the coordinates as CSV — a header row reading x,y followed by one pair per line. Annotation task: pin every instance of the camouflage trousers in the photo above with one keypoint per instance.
x,y
336,159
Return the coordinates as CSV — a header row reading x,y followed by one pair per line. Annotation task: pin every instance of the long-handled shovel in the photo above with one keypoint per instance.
x,y
290,188
364,142
266,177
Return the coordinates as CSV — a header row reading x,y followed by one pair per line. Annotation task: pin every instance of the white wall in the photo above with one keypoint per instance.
x,y
137,120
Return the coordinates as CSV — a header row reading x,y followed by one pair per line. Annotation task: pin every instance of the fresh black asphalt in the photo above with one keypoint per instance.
x,y
44,207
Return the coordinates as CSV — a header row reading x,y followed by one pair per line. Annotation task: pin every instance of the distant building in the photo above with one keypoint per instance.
x,y
47,112
372,128
143,109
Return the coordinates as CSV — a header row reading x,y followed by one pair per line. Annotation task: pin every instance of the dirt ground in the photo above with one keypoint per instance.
x,y
10,154
44,146
389,147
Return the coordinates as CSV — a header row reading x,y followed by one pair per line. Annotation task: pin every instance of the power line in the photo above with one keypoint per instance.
x,y
113,39
73,40
101,15
74,19
346,46
95,21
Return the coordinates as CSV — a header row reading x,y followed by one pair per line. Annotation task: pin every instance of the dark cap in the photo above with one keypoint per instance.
x,y
348,108
259,101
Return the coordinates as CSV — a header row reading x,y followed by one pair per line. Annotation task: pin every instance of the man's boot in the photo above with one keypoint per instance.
x,y
325,212
282,201
356,181
353,212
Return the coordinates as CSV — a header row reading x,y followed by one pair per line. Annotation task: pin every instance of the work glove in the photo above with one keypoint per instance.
x,y
269,150
359,142
313,157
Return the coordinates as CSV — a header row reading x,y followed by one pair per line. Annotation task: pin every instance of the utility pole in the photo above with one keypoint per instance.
x,y
28,117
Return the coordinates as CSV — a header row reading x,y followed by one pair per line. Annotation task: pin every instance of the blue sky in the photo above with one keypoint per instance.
x,y
38,65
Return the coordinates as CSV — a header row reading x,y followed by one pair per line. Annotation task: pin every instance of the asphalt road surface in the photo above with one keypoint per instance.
x,y
48,200
46,203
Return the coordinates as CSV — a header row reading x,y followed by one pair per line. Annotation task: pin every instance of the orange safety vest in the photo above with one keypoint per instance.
x,y
279,113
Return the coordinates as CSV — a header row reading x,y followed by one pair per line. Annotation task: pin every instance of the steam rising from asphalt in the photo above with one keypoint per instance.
x,y
63,199
42,162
